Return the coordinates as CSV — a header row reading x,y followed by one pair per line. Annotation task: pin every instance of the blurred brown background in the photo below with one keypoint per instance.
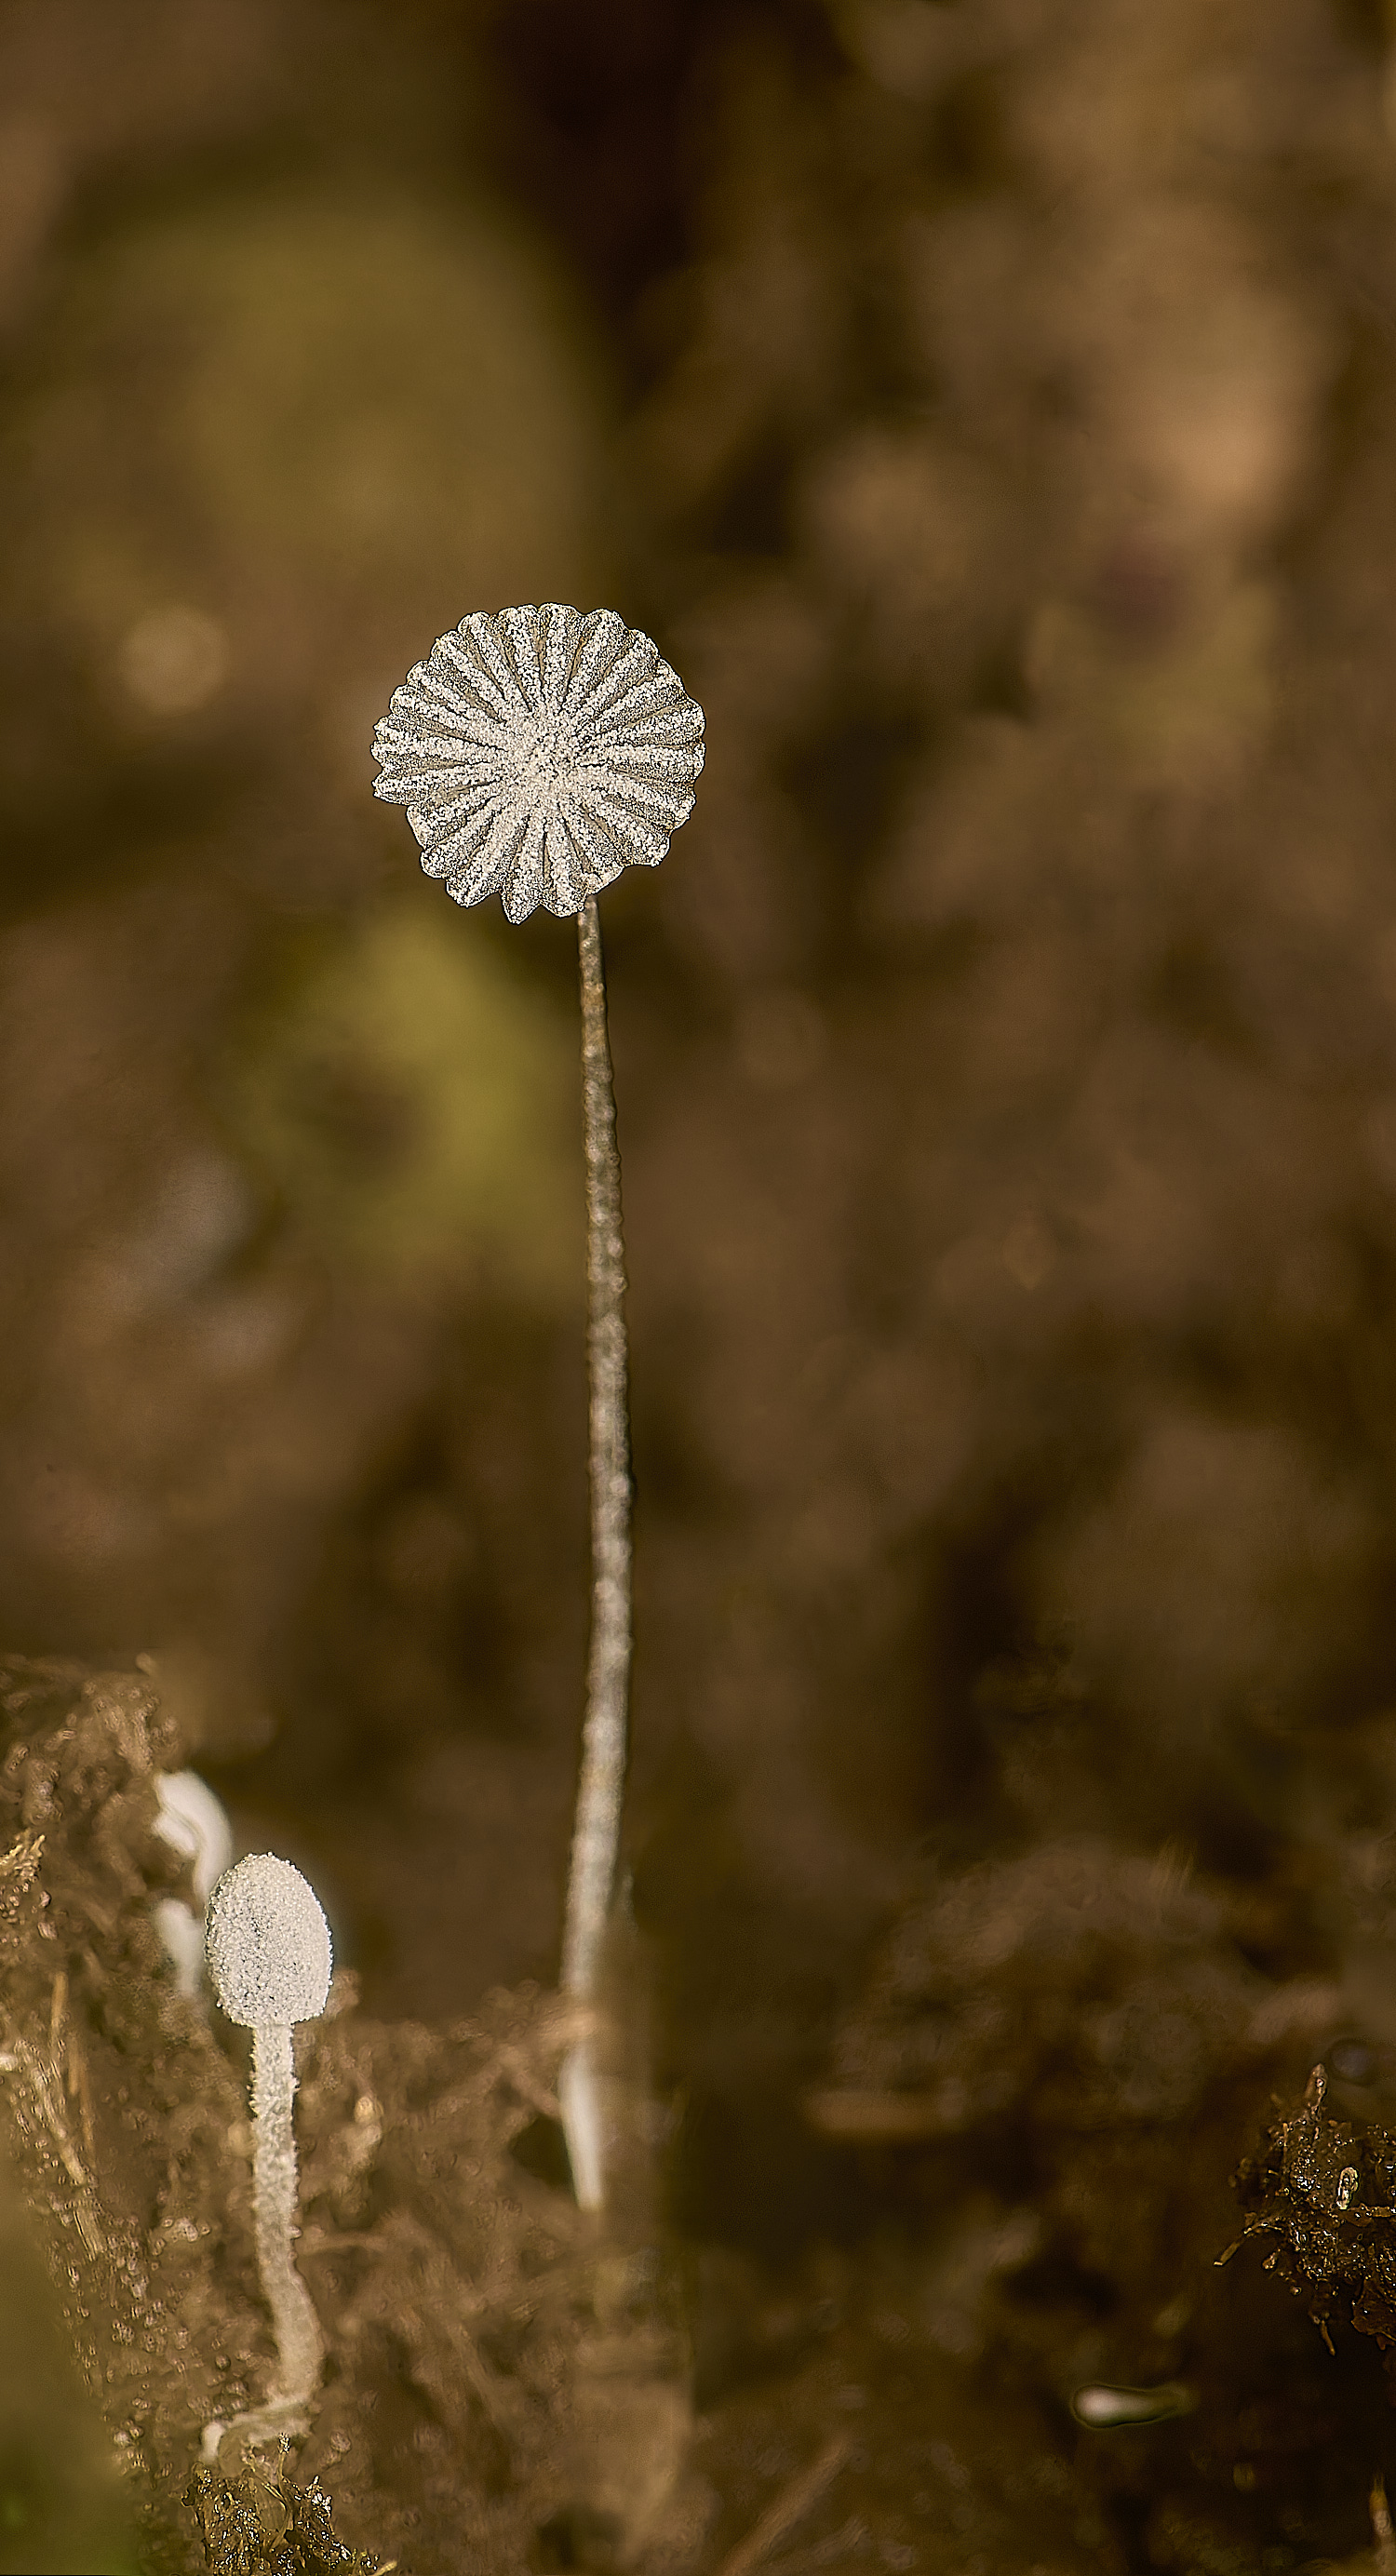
x,y
989,408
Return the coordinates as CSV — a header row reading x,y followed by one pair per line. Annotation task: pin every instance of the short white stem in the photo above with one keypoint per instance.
x,y
299,2343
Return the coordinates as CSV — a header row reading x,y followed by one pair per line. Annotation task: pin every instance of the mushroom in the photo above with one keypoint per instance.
x,y
269,1956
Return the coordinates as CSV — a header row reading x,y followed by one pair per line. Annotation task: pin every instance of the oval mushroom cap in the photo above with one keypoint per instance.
x,y
268,1943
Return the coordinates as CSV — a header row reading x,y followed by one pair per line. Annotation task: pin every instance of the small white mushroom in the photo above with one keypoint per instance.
x,y
269,1957
194,1823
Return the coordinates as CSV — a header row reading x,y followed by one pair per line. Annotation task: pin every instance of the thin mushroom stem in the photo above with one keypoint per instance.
x,y
299,2343
600,1788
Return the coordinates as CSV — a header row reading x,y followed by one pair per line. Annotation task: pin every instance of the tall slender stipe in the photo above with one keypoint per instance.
x,y
600,1788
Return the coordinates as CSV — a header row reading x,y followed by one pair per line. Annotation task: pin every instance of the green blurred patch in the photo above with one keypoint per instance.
x,y
63,2503
377,384
414,1104
326,420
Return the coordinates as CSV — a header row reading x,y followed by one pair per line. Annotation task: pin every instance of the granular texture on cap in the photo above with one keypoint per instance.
x,y
268,1943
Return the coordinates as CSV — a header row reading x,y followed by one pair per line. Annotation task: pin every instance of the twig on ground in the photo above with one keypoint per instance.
x,y
788,2508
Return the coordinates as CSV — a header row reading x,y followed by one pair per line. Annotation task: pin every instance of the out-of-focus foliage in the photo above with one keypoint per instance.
x,y
410,1099
263,442
349,401
1030,416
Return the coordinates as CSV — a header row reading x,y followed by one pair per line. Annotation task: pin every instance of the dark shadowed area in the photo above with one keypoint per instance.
x,y
989,407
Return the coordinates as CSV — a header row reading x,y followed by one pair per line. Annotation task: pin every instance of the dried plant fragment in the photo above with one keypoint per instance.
x,y
1327,2190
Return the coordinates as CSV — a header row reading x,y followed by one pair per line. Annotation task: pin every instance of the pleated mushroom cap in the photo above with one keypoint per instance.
x,y
539,751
